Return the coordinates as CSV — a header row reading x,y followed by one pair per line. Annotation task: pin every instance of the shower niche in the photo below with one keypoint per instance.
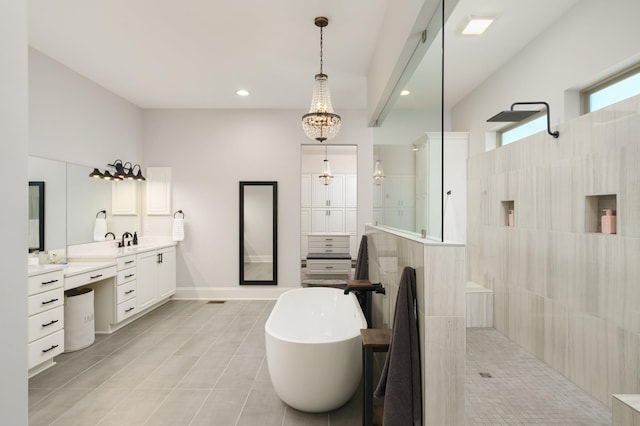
x,y
597,206
508,213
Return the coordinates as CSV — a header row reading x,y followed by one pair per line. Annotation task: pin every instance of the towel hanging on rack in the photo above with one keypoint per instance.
x,y
100,227
177,231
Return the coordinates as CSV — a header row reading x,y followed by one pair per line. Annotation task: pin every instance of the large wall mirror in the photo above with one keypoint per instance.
x,y
259,232
36,216
72,202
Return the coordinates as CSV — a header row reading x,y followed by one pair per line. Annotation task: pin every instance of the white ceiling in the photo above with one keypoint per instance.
x,y
197,53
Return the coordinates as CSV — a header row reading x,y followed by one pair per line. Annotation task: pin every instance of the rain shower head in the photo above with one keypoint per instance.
x,y
512,116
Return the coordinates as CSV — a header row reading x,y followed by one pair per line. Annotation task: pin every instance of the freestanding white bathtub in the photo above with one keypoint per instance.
x,y
314,349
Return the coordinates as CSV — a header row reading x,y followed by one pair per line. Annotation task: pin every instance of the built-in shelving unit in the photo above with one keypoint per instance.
x,y
508,213
594,207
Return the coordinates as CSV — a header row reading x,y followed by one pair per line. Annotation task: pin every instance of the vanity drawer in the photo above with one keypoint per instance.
x,y
126,309
338,266
44,301
45,323
126,275
125,291
336,240
126,262
90,277
44,349
45,282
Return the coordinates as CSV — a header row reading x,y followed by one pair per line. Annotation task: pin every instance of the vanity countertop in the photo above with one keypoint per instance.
x,y
110,250
43,269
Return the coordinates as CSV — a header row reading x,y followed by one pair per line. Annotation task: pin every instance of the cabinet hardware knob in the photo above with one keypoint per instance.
x,y
129,291
95,276
129,276
129,261
50,323
49,301
129,310
328,267
50,349
49,282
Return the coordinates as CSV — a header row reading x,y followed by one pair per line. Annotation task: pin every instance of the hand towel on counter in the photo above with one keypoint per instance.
x,y
100,229
400,380
177,231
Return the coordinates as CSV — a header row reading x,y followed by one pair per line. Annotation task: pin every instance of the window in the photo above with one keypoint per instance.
x,y
612,90
523,130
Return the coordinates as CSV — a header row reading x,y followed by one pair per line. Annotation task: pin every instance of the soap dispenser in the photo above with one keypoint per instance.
x,y
608,224
135,238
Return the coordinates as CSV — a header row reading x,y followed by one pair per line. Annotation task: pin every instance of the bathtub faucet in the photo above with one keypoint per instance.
x,y
364,289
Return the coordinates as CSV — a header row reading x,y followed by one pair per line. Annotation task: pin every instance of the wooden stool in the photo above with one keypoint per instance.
x,y
373,340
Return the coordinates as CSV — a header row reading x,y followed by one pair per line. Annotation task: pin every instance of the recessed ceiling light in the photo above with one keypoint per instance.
x,y
242,92
476,26
405,93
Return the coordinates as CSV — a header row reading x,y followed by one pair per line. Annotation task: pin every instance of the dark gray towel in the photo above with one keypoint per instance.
x,y
362,262
400,382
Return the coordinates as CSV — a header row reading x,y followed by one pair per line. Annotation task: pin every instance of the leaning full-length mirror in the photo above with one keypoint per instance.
x,y
258,232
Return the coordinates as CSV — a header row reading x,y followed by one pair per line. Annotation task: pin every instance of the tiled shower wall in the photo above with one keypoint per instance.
x,y
440,296
567,294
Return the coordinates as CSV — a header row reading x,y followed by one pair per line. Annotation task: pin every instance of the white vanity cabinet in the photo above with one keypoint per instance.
x,y
126,287
156,276
46,318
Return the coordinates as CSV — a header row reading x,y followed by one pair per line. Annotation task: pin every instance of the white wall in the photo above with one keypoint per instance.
x,y
13,227
73,119
210,151
591,40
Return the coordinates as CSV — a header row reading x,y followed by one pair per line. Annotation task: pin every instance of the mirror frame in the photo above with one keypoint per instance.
x,y
41,218
274,186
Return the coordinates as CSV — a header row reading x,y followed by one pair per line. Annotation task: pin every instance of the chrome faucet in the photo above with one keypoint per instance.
x,y
125,235
110,233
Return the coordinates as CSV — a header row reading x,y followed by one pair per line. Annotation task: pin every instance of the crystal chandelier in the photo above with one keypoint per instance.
x,y
378,173
321,123
325,176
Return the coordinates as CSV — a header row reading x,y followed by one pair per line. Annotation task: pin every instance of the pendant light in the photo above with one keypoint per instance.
x,y
321,123
378,173
326,176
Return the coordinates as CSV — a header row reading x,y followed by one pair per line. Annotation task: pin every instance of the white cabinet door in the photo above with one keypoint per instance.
x,y
158,190
124,197
335,220
167,273
319,220
335,192
318,193
147,280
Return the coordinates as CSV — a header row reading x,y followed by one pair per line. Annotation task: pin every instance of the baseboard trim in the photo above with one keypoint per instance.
x,y
230,293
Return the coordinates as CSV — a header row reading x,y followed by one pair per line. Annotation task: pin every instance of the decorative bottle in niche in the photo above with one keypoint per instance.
x,y
512,219
608,224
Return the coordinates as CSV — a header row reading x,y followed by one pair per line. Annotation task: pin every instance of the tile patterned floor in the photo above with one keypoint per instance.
x,y
521,389
193,363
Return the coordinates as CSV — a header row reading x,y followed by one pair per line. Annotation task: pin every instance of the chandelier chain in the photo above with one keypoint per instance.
x,y
320,50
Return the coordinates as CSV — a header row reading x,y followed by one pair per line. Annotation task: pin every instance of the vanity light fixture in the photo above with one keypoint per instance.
x,y
321,123
476,25
242,92
405,92
378,173
514,116
123,171
325,176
